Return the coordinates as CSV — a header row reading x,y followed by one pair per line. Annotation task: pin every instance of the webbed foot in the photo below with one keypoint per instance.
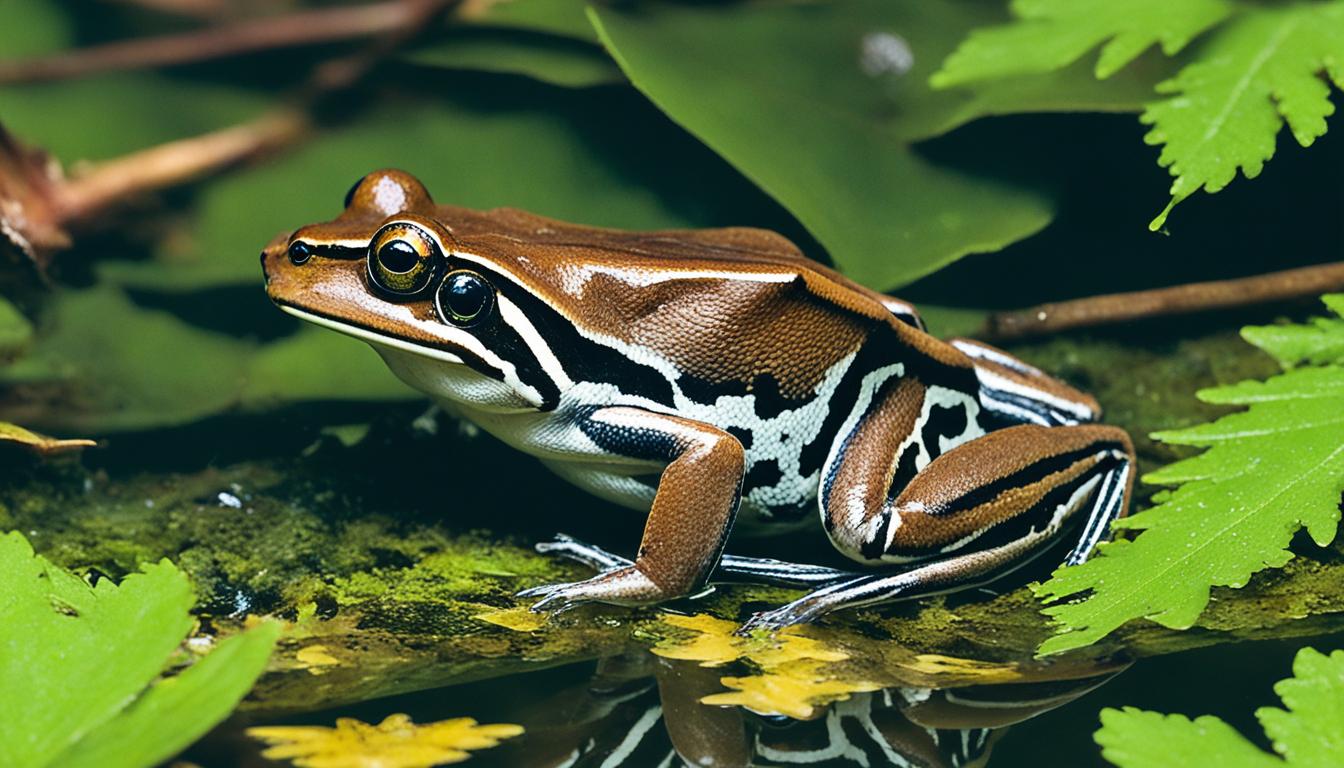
x,y
625,585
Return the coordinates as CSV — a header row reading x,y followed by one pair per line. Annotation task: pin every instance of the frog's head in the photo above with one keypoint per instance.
x,y
385,271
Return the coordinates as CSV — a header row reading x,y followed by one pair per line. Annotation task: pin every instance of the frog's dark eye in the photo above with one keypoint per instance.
x,y
300,252
402,259
464,297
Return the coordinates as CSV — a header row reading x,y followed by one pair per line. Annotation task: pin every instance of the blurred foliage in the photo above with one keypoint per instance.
x,y
1304,734
1268,471
1261,66
86,659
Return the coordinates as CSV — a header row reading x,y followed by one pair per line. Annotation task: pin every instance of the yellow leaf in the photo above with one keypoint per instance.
x,y
517,619
394,743
314,657
796,691
12,433
716,644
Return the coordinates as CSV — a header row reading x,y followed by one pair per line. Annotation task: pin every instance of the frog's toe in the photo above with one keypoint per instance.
x,y
780,618
592,556
560,600
542,590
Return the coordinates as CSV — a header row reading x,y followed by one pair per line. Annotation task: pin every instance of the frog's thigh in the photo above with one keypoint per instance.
x,y
979,511
1018,483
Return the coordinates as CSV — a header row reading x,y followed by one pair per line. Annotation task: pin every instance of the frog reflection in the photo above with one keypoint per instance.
x,y
638,711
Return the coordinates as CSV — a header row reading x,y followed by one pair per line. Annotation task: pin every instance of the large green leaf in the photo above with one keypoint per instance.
x,y
177,711
779,92
1268,471
75,657
555,60
106,364
72,656
1306,734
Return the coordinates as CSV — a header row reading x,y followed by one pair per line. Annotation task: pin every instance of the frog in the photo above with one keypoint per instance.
x,y
714,379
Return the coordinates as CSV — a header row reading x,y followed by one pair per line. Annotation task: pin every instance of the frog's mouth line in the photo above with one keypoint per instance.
x,y
373,337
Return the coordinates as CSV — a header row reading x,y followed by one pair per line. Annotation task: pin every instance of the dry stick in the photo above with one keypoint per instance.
x,y
303,28
1181,299
177,162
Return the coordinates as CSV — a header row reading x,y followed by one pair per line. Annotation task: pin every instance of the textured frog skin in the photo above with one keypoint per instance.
x,y
693,374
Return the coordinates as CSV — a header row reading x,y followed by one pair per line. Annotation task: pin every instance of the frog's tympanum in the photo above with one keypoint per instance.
x,y
709,376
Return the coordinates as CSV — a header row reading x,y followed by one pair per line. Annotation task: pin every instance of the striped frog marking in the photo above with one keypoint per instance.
x,y
708,377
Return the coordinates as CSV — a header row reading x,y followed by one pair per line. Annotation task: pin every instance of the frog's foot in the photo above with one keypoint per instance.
x,y
800,611
592,556
625,585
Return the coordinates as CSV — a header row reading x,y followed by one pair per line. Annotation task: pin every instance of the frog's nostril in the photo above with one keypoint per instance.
x,y
299,252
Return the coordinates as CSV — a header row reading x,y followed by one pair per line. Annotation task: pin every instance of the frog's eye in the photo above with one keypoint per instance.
x,y
464,297
402,259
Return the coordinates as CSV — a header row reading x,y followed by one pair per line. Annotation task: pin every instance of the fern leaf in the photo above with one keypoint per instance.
x,y
1306,733
1268,471
1051,34
1257,71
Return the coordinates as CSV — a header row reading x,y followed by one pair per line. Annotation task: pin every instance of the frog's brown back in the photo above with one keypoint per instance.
x,y
730,304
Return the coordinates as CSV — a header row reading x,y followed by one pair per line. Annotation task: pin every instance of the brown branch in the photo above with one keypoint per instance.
x,y
303,28
178,162
1181,299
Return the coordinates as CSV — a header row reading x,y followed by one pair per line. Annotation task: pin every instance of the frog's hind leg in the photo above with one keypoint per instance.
x,y
973,514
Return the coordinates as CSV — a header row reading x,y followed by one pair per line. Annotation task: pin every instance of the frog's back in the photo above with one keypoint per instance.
x,y
734,308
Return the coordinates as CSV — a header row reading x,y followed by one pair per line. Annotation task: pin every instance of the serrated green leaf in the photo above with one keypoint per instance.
x,y
1268,471
1319,343
1262,68
178,710
1051,34
73,656
1307,734
1133,738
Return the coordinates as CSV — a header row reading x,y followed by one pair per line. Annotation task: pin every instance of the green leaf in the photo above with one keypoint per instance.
x,y
72,656
1319,343
107,364
555,60
1268,471
177,711
1263,67
777,92
1051,34
1306,734
1133,738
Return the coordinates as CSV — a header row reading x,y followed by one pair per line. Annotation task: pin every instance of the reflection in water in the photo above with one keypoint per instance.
x,y
640,711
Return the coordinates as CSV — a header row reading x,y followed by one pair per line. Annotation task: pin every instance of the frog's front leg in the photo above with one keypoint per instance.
x,y
973,514
692,511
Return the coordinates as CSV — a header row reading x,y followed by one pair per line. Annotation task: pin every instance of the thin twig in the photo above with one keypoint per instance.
x,y
178,162
303,28
1181,299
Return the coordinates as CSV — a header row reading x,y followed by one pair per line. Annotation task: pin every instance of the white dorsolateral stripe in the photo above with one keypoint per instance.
x,y
540,349
1003,384
631,741
451,335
